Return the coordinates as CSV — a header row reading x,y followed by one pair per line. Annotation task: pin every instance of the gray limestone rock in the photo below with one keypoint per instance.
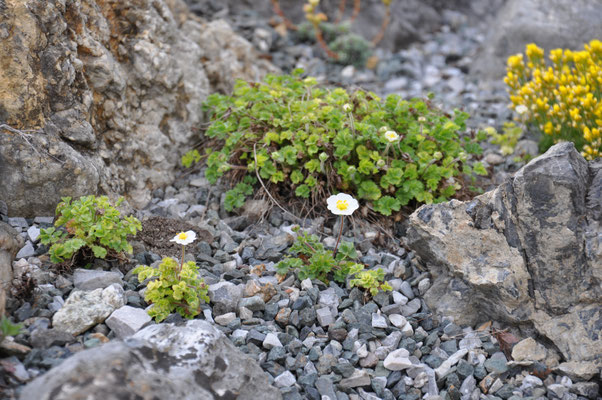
x,y
193,361
83,310
505,255
88,279
92,103
127,320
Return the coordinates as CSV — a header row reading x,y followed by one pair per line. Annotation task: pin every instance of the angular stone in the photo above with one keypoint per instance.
x,y
33,233
398,320
270,341
398,360
224,296
324,317
444,368
44,338
528,349
88,279
26,251
255,303
578,370
164,361
225,319
358,378
379,321
127,320
285,379
83,310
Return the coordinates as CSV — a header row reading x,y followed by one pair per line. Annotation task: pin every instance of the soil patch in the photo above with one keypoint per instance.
x,y
158,231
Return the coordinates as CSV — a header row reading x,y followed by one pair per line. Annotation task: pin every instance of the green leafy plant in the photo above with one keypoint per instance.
x,y
88,224
309,141
191,157
235,198
507,139
177,287
370,280
8,328
313,261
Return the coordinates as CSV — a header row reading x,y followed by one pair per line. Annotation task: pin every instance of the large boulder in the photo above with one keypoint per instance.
x,y
528,253
410,19
550,24
193,361
104,95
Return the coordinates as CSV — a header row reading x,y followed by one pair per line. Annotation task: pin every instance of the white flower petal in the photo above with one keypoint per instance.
x,y
184,238
342,204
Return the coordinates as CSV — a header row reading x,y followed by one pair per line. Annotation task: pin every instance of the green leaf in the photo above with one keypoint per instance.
x,y
302,191
369,190
387,204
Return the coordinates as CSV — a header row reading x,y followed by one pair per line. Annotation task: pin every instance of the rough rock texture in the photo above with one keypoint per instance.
x,y
194,361
410,19
550,24
10,243
83,310
528,253
108,87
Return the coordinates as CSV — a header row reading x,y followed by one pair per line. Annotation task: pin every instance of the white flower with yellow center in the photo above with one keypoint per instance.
x,y
342,204
184,238
521,109
347,107
391,136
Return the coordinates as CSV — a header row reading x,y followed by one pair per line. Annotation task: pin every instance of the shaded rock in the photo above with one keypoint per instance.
x,y
103,99
225,296
87,279
358,378
160,361
44,338
549,24
83,310
504,254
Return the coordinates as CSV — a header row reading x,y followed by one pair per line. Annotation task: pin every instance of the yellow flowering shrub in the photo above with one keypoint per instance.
x,y
563,97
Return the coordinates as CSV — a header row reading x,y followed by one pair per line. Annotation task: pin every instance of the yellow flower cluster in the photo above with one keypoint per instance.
x,y
563,99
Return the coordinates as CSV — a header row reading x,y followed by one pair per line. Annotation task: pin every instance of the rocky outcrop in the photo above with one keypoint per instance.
x,y
528,253
193,361
550,24
104,95
410,19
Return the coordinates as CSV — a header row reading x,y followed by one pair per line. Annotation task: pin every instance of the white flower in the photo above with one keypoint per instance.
x,y
391,136
346,107
184,238
383,129
342,204
421,119
521,109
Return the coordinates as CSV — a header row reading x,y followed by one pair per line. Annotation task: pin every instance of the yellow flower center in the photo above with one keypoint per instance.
x,y
182,236
342,205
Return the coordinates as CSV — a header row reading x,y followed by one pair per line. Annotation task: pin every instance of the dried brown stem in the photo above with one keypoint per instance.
x,y
383,27
287,22
356,9
323,44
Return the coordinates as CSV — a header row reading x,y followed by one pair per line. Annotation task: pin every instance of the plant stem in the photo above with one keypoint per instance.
x,y
181,261
336,246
